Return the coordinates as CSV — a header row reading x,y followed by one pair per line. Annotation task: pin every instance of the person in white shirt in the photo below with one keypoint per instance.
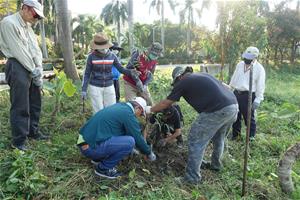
x,y
240,83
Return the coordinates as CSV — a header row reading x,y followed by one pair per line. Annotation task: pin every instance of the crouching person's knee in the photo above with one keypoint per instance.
x,y
130,143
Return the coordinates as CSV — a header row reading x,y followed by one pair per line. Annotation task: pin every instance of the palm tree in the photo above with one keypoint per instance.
x,y
130,24
160,8
115,12
187,14
43,36
65,39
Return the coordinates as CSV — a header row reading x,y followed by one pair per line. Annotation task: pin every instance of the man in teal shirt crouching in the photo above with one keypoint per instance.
x,y
111,134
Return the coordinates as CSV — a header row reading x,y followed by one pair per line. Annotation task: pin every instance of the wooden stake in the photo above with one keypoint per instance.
x,y
247,148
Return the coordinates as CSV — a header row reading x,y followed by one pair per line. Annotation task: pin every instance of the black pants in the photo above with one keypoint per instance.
x,y
242,98
117,90
25,99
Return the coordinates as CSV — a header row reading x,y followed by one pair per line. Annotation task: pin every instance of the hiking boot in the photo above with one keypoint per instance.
x,y
107,173
181,181
207,165
38,136
21,147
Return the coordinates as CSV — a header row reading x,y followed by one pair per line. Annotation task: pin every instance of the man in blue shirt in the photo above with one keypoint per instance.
x,y
111,134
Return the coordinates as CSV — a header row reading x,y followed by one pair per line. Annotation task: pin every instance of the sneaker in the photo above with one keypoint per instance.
x,y
207,165
21,147
252,139
107,173
38,136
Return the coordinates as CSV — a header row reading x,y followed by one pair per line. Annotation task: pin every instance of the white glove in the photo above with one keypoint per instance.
x,y
37,72
83,95
148,109
38,81
151,156
135,151
140,86
255,105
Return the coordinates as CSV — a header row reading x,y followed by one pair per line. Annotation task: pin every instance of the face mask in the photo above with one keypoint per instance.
x,y
247,62
152,56
102,51
115,52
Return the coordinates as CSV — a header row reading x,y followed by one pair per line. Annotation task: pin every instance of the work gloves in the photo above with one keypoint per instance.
x,y
162,143
139,86
135,74
37,75
151,156
83,95
255,105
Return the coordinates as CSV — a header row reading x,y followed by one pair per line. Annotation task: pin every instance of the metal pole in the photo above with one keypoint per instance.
x,y
83,106
247,148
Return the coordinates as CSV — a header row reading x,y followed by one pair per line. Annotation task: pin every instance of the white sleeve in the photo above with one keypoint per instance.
x,y
234,77
260,85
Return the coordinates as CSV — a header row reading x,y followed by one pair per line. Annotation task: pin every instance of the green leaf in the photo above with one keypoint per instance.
x,y
104,187
69,88
140,184
146,170
132,174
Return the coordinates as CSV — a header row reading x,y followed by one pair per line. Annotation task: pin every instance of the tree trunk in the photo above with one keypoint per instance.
x,y
285,168
43,37
163,26
65,38
293,51
130,24
188,37
119,31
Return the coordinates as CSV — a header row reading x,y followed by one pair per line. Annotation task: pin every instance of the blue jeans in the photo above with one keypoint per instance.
x,y
110,152
208,126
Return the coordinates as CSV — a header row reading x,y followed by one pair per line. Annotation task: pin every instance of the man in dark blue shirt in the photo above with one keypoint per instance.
x,y
217,108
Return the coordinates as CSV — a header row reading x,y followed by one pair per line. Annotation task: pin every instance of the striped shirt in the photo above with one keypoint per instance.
x,y
98,71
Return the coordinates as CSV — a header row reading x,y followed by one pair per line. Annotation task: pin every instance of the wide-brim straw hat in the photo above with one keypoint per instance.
x,y
100,41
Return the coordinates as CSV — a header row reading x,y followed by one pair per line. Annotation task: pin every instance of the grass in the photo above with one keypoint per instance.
x,y
56,170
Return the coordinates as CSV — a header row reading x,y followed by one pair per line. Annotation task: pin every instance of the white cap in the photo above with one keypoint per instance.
x,y
38,8
142,103
251,53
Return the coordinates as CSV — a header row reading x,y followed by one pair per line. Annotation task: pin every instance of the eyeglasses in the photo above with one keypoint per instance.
x,y
34,14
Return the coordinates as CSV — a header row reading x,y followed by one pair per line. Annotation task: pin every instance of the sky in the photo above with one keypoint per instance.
x,y
141,11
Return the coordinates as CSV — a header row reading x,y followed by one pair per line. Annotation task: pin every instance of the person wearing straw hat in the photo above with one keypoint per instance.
x,y
217,108
240,83
23,71
98,73
145,62
111,135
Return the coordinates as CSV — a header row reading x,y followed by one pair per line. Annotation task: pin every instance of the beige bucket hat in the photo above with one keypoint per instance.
x,y
100,41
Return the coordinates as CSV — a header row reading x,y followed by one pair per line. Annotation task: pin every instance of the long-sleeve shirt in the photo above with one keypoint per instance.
x,y
240,79
98,71
17,40
116,120
144,66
